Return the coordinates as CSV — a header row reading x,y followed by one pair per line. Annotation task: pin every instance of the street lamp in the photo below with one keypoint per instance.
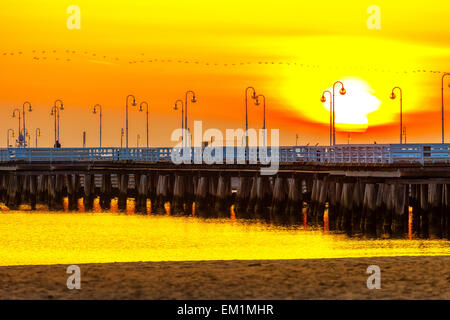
x,y
246,112
19,138
38,134
7,136
393,96
323,99
57,107
193,100
442,96
140,110
264,114
182,111
94,111
342,91
23,117
126,110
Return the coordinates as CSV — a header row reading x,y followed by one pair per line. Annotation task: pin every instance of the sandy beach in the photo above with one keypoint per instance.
x,y
401,278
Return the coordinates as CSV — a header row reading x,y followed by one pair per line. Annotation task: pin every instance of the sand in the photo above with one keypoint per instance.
x,y
401,278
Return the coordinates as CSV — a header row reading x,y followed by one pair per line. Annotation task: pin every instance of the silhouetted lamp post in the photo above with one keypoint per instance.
x,y
57,107
393,96
193,100
342,91
182,111
19,138
246,112
140,110
38,134
442,96
94,111
23,115
323,99
264,114
126,116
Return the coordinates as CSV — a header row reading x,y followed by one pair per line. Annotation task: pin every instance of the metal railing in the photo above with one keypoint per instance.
x,y
340,154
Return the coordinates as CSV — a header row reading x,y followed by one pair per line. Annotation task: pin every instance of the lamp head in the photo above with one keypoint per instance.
x,y
14,115
323,98
94,111
254,95
342,91
257,102
30,109
393,96
175,107
134,102
194,100
51,113
61,107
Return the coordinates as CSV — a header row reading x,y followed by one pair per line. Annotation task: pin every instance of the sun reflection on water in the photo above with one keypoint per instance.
x,y
63,238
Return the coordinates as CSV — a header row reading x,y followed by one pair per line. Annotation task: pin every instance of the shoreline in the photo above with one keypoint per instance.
x,y
402,277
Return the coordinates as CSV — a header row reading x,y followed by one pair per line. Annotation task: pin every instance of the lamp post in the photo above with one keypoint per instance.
x,y
264,114
55,112
19,138
342,91
324,99
23,117
94,111
126,117
442,97
140,110
246,113
38,134
7,136
193,100
393,96
182,111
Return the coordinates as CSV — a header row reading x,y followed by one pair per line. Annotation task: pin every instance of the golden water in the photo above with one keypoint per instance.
x,y
30,238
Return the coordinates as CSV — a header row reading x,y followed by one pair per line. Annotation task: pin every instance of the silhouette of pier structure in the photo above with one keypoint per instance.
x,y
372,190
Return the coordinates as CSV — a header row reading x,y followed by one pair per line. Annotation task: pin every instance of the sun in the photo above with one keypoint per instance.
x,y
352,108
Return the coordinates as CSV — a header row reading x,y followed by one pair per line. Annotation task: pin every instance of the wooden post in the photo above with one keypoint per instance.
x,y
242,195
106,192
141,196
263,198
123,191
178,193
434,210
33,191
279,201
399,224
357,207
13,196
346,203
201,197
294,202
424,225
369,211
223,197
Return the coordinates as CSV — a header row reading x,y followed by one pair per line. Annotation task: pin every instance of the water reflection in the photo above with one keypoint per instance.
x,y
63,238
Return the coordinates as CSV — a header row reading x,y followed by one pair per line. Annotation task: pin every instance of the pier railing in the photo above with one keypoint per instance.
x,y
340,154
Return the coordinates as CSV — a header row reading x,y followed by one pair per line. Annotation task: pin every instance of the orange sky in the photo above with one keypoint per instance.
x,y
288,50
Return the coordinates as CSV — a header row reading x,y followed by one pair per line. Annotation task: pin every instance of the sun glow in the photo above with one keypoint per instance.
x,y
351,109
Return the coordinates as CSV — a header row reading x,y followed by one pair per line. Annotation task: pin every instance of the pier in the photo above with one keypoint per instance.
x,y
370,190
